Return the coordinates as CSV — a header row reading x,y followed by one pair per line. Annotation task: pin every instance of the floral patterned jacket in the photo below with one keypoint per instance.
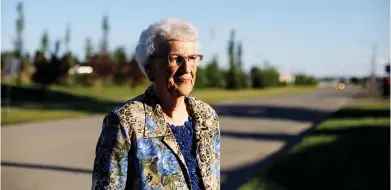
x,y
137,150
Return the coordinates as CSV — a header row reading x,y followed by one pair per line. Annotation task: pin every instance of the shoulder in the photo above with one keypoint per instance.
x,y
203,108
129,112
206,115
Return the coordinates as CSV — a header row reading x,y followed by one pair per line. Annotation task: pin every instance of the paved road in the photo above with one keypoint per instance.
x,y
59,154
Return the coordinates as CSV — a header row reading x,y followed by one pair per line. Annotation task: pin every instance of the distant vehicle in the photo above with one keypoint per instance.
x,y
340,86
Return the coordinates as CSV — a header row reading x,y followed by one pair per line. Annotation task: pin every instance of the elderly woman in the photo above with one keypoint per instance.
x,y
162,139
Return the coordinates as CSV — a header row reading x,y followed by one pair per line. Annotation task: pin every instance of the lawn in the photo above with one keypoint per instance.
x,y
16,116
207,95
109,92
350,150
79,101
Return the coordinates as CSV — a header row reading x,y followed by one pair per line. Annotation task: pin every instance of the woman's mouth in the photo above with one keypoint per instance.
x,y
183,79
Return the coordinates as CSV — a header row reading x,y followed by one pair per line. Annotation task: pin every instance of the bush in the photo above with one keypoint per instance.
x,y
302,79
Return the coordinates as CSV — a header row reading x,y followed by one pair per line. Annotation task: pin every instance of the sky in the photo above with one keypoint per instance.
x,y
318,37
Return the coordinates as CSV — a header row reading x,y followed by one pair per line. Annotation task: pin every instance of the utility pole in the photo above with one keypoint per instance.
x,y
373,70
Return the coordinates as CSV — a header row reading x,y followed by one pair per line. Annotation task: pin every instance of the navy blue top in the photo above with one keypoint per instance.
x,y
185,138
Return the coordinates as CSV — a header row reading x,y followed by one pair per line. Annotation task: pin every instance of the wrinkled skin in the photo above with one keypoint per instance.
x,y
170,79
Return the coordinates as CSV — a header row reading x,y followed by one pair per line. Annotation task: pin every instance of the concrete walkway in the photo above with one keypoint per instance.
x,y
59,154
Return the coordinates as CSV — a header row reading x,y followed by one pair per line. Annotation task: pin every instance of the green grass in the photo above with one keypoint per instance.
x,y
350,150
109,97
110,92
207,95
218,95
35,115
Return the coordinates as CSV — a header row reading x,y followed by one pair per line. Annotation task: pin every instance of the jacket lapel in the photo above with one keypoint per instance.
x,y
170,141
203,141
156,126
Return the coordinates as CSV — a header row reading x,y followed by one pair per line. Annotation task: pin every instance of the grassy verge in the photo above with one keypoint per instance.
x,y
109,97
16,116
207,95
350,150
212,96
111,92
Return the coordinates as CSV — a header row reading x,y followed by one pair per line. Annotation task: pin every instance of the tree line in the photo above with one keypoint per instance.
x,y
48,67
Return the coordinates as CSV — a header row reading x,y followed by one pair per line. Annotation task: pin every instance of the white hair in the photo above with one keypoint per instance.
x,y
167,29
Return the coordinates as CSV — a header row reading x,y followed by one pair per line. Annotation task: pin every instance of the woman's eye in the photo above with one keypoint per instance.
x,y
172,58
193,57
180,59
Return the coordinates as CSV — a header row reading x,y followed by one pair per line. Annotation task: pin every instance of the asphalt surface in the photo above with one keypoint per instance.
x,y
59,154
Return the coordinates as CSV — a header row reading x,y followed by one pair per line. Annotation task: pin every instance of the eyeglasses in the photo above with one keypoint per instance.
x,y
179,60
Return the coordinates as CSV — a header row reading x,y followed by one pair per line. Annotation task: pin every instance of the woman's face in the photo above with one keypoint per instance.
x,y
174,71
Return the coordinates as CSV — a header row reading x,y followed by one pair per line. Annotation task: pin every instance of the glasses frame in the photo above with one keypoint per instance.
x,y
179,64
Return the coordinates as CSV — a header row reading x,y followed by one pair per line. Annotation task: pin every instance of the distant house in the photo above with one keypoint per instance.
x,y
77,69
287,78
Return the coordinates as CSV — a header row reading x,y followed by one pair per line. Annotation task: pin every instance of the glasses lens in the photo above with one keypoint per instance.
x,y
180,60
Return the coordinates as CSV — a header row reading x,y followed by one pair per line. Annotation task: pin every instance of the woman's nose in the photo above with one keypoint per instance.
x,y
186,65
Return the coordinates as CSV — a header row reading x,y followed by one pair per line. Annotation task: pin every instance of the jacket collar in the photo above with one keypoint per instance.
x,y
155,123
156,127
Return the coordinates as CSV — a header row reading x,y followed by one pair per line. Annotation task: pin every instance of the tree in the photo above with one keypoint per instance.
x,y
136,75
243,77
57,46
231,46
64,64
103,67
300,79
119,55
56,65
4,58
41,75
270,77
232,76
256,77
201,78
239,55
105,28
45,42
214,75
89,48
19,30
67,37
